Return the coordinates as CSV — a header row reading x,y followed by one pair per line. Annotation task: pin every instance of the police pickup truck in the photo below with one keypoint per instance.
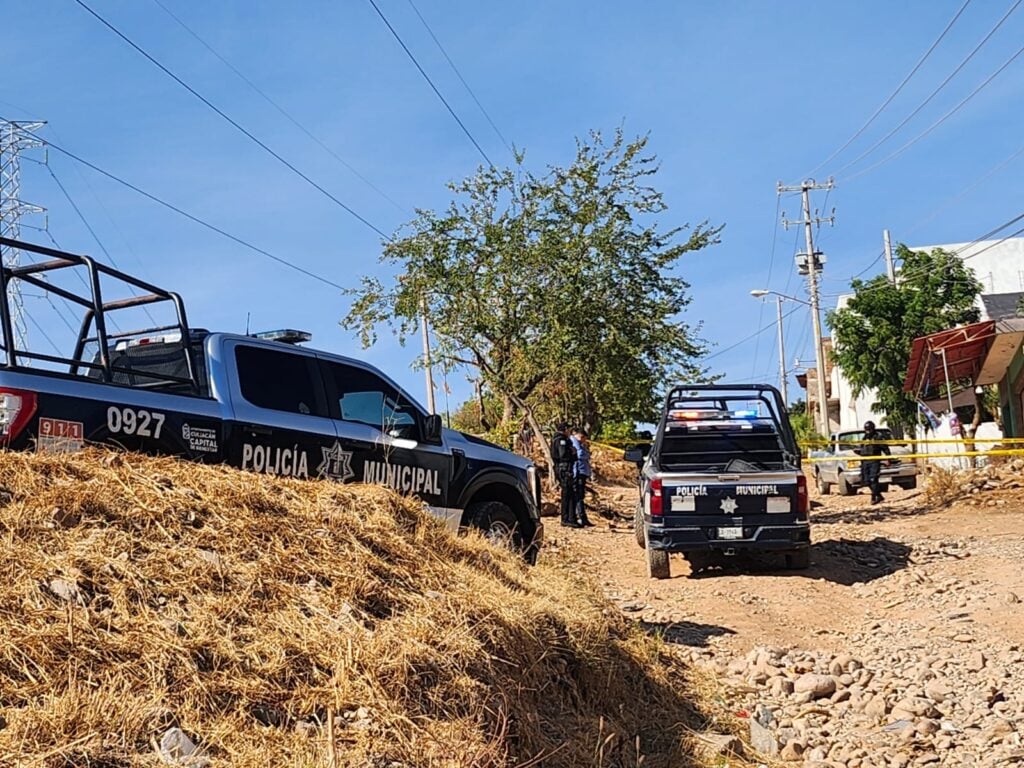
x,y
260,403
722,477
837,466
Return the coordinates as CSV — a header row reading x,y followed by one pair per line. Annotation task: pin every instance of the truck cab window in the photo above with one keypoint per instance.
x,y
365,398
280,381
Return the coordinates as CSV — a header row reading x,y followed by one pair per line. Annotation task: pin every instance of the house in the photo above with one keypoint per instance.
x,y
999,266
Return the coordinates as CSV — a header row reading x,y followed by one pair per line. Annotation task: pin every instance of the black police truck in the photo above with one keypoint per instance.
x,y
261,403
721,478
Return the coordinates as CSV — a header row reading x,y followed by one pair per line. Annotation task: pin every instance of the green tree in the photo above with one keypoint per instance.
x,y
873,334
559,289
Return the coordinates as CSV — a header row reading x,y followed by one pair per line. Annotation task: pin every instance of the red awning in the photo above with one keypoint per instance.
x,y
964,350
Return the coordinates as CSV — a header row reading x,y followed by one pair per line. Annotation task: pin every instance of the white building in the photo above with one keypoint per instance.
x,y
999,266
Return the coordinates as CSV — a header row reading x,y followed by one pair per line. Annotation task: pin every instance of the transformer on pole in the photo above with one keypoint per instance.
x,y
16,136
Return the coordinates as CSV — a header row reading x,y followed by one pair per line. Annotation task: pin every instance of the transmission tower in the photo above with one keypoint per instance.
x,y
15,137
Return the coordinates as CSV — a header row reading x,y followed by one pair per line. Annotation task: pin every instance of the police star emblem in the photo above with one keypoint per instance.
x,y
337,463
728,505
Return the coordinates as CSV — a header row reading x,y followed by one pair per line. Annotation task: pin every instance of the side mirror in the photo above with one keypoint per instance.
x,y
432,426
634,455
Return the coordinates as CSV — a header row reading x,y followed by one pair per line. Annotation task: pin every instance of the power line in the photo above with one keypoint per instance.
x,y
430,82
892,95
193,218
745,339
461,78
230,120
942,119
932,95
278,107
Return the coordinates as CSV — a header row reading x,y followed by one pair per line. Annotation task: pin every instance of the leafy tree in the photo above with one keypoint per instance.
x,y
558,289
873,334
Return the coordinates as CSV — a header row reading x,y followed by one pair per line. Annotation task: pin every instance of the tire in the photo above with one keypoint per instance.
x,y
658,566
909,485
798,560
498,524
824,488
844,488
638,526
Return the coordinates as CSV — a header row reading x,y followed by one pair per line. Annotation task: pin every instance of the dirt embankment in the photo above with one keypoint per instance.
x,y
158,612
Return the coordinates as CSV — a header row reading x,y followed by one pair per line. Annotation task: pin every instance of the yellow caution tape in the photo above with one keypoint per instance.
x,y
905,457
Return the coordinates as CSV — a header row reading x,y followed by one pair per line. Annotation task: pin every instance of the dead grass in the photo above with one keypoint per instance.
x,y
141,594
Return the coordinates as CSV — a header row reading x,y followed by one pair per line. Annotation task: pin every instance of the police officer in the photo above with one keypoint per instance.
x,y
870,471
563,454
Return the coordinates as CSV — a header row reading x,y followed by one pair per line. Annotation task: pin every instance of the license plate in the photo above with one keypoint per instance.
x,y
730,533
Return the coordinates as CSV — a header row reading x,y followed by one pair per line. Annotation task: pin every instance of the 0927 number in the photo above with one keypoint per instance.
x,y
130,421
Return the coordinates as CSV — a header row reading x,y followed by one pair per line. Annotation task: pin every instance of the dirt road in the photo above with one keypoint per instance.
x,y
900,646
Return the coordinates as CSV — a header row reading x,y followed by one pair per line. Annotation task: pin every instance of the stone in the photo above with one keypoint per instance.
x,y
876,707
716,744
937,689
763,740
793,751
65,590
819,686
176,748
1010,598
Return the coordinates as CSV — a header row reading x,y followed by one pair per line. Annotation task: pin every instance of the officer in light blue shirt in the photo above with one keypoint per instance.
x,y
581,472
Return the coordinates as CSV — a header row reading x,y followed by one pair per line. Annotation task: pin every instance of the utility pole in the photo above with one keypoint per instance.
x,y
782,355
426,355
15,137
890,266
814,266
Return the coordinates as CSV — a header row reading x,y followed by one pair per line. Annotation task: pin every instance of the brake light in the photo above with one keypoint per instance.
x,y
657,505
17,407
803,501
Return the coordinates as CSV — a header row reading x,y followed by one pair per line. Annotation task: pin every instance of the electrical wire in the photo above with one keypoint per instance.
x,y
892,95
458,74
287,115
942,119
745,339
244,131
193,218
430,82
934,93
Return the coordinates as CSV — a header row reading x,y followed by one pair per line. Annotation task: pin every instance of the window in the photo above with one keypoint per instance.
x,y
280,381
367,399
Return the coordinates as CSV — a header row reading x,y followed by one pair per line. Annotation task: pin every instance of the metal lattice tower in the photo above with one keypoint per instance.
x,y
15,137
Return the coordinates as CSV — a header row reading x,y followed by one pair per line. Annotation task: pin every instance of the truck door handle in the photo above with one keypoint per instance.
x,y
258,429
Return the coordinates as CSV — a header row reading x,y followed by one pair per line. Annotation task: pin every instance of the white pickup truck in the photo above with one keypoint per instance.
x,y
841,467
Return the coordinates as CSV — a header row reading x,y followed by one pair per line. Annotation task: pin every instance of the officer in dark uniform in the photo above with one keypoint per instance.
x,y
563,454
870,471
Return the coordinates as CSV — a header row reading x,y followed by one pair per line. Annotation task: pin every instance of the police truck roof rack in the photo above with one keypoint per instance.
x,y
94,321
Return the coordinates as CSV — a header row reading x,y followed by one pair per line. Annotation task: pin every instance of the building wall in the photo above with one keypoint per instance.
x,y
1000,269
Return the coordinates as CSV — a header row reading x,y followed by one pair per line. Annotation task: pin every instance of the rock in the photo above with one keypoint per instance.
x,y
937,690
819,686
65,590
762,739
793,751
1010,598
976,661
176,748
876,707
211,558
716,744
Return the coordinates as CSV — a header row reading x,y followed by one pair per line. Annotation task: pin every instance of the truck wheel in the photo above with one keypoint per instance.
x,y
638,526
824,488
909,485
657,563
498,524
800,560
845,489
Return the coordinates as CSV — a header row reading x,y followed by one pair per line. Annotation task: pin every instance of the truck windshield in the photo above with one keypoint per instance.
x,y
722,450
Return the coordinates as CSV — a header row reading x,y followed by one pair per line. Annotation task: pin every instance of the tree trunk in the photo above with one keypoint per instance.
x,y
484,423
508,410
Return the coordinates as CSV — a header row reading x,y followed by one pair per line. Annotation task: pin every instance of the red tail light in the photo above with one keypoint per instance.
x,y
657,502
17,407
803,501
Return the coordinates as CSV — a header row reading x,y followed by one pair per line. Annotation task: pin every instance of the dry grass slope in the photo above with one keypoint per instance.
x,y
141,594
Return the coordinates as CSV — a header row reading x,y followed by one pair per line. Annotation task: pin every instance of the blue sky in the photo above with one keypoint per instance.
x,y
735,95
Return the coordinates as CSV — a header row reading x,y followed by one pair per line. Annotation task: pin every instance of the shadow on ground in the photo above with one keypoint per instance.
x,y
863,513
684,632
841,561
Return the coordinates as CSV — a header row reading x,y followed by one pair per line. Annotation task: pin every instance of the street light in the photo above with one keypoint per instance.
x,y
759,293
